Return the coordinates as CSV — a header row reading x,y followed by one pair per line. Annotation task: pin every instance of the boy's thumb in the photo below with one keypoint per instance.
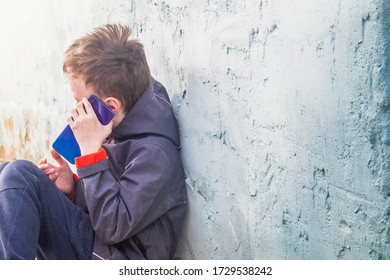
x,y
57,157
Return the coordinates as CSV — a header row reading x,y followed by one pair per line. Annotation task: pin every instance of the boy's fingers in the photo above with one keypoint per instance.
x,y
43,166
80,107
87,105
50,171
42,161
57,157
53,176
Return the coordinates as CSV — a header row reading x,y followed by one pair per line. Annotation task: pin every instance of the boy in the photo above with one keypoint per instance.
x,y
129,198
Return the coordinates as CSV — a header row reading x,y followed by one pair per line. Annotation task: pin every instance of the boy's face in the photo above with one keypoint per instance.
x,y
80,89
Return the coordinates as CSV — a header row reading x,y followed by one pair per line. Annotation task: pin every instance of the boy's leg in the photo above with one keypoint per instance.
x,y
35,215
2,165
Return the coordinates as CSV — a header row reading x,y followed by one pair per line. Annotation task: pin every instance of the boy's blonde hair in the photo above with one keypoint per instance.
x,y
112,64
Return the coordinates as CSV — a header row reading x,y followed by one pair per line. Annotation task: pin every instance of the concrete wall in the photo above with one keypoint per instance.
x,y
283,108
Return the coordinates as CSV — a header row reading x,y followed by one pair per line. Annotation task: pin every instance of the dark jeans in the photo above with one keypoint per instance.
x,y
37,219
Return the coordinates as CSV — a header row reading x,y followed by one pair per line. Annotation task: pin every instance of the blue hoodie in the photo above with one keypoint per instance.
x,y
134,189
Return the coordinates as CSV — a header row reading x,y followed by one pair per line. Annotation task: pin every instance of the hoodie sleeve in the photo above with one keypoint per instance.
x,y
120,209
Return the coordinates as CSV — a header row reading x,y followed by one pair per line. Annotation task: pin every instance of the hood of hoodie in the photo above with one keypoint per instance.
x,y
151,114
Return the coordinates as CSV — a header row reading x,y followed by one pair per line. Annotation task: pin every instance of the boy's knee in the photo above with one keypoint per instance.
x,y
17,169
20,165
3,165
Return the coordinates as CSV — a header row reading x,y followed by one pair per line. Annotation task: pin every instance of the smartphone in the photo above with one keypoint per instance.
x,y
103,113
66,144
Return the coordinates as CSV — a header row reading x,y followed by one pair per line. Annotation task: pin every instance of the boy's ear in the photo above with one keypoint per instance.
x,y
114,104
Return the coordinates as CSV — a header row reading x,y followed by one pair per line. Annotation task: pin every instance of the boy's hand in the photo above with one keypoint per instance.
x,y
61,175
87,129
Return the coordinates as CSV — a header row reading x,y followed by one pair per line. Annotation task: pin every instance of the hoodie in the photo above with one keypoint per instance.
x,y
133,189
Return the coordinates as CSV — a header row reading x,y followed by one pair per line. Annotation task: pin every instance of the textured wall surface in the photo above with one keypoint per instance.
x,y
283,108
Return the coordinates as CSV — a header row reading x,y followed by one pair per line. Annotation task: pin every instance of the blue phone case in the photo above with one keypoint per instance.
x,y
66,144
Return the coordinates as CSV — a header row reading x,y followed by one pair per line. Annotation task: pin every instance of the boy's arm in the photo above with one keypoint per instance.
x,y
119,209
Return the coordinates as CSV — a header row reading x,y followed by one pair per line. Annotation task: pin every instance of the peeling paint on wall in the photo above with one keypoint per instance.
x,y
282,105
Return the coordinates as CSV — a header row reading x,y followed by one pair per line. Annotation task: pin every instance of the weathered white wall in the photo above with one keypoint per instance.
x,y
283,109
